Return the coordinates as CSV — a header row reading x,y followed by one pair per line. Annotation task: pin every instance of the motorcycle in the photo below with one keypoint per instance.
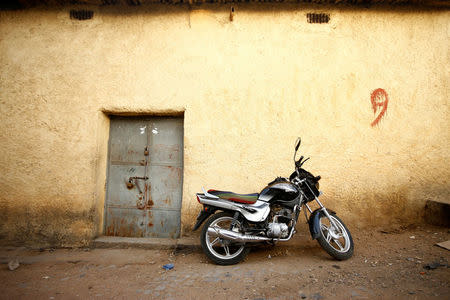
x,y
234,221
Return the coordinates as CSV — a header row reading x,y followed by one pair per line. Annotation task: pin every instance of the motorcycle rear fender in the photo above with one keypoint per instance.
x,y
203,215
314,225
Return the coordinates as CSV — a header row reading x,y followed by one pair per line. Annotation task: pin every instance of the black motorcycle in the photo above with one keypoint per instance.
x,y
269,216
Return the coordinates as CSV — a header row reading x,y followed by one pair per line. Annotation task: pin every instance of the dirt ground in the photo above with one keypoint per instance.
x,y
386,264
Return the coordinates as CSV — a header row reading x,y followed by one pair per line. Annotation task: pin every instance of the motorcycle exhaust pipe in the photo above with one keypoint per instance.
x,y
236,236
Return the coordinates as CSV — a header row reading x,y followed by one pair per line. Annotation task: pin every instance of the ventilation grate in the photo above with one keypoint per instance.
x,y
109,2
317,18
81,14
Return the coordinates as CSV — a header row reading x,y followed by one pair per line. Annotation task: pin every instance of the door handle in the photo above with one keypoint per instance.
x,y
137,177
130,184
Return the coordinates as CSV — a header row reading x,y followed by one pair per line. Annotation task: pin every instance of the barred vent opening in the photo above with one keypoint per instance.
x,y
317,18
81,14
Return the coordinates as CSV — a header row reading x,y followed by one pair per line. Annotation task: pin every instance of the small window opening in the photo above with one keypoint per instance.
x,y
81,14
317,18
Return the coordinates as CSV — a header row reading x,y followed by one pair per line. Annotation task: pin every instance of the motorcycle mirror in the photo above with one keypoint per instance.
x,y
297,143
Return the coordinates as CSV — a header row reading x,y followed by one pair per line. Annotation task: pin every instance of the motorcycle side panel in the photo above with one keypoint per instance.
x,y
314,222
256,212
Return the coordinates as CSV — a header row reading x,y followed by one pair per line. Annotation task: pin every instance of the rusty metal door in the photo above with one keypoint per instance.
x,y
145,177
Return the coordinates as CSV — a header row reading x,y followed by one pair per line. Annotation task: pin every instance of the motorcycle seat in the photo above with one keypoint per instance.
x,y
240,198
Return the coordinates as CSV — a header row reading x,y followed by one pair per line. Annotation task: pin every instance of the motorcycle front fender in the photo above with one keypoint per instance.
x,y
314,225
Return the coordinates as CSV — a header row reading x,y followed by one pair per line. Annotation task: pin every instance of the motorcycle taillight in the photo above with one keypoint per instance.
x,y
198,199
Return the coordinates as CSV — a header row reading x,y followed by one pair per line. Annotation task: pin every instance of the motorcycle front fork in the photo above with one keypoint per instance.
x,y
322,208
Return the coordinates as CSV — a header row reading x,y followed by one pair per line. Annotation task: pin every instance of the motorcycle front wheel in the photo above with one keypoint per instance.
x,y
222,251
335,240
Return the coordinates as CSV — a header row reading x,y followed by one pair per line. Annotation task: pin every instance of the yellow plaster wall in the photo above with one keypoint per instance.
x,y
247,89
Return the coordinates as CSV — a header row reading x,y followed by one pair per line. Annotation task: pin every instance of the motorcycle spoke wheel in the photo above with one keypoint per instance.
x,y
335,238
223,248
222,251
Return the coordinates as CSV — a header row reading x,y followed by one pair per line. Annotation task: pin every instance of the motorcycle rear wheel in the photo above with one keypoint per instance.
x,y
221,251
337,242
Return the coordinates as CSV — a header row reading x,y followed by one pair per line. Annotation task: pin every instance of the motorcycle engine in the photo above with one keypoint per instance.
x,y
277,230
278,227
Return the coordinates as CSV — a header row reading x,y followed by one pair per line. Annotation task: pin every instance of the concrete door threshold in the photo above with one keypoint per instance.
x,y
192,242
146,243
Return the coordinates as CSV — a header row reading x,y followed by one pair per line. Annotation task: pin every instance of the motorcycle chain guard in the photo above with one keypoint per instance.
x,y
314,224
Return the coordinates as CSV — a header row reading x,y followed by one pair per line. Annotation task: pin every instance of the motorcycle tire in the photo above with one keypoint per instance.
x,y
330,241
220,251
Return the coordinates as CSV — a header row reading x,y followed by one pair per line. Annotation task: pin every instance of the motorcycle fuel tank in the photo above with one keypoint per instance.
x,y
279,190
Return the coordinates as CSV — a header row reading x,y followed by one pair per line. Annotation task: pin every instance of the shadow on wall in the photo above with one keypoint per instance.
x,y
47,227
392,208
61,227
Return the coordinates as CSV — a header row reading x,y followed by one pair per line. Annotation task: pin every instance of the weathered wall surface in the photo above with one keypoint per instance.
x,y
247,89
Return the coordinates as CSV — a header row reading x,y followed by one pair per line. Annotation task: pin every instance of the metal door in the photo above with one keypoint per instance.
x,y
144,186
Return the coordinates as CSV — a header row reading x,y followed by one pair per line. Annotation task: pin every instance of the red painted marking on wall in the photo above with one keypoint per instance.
x,y
379,99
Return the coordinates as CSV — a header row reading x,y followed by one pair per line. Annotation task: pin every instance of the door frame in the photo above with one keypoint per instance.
x,y
105,128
